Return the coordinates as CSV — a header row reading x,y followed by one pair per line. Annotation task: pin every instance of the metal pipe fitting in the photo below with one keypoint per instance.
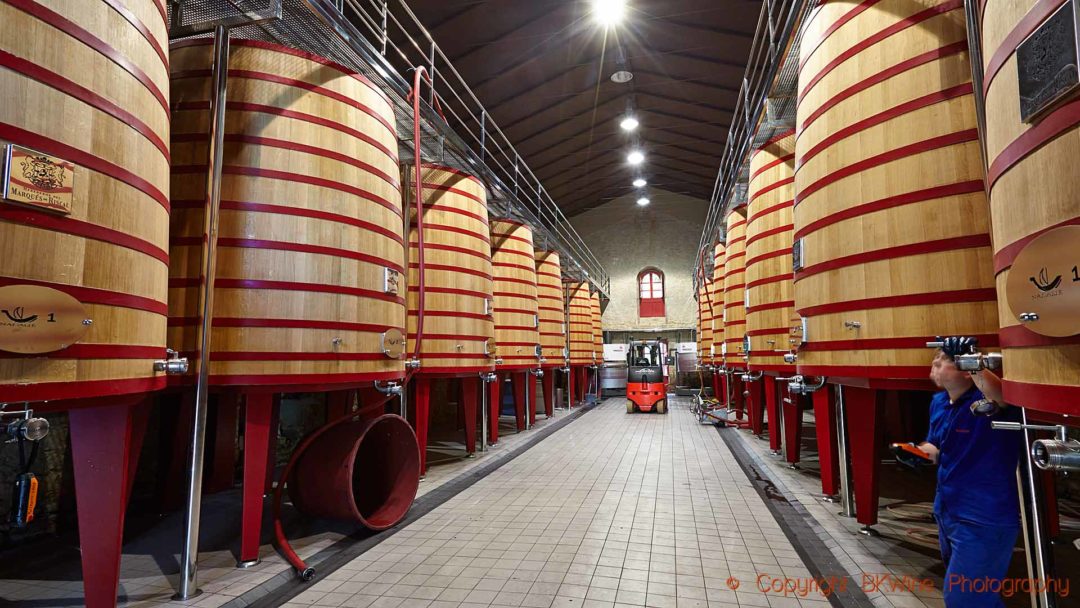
x,y
27,427
790,357
539,373
390,388
1057,454
413,363
752,376
975,362
173,364
799,385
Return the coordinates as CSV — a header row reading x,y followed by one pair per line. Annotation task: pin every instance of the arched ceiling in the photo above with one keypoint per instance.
x,y
542,68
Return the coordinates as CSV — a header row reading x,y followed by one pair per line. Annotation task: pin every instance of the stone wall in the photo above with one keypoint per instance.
x,y
627,238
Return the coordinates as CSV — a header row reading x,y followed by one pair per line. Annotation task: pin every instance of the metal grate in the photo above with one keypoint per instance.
x,y
765,108
383,40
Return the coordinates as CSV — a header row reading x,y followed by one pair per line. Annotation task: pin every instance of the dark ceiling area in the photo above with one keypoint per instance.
x,y
543,70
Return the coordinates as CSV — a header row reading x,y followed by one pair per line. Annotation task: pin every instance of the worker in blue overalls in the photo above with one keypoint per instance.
x,y
977,504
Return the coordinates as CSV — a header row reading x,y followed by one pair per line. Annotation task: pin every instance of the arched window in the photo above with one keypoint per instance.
x,y
650,293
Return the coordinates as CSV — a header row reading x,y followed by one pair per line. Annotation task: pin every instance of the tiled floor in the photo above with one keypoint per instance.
x,y
614,509
150,564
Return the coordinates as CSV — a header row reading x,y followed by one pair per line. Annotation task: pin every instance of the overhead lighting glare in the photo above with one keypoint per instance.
x,y
621,77
629,123
640,183
643,201
608,12
635,157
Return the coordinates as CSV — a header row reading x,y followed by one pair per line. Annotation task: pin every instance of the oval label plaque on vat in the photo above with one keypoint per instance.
x,y
1043,288
35,320
393,343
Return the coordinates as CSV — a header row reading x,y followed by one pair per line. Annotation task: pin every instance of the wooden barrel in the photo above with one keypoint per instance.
x,y
597,327
707,306
717,286
459,324
84,229
552,308
579,315
1034,194
517,319
889,212
310,221
734,298
770,288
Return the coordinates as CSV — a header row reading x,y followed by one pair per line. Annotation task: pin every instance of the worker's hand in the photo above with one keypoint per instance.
x,y
958,345
909,455
985,407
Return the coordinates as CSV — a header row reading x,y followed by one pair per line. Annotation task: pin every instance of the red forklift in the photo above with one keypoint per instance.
x,y
645,387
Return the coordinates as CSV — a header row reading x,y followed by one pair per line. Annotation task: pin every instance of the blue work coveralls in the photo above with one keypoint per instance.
x,y
977,503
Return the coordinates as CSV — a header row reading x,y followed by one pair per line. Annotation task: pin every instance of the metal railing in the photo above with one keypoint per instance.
x,y
385,41
765,107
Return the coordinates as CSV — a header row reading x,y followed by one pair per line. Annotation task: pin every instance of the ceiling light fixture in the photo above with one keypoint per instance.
x,y
621,77
643,201
629,123
640,183
635,157
608,12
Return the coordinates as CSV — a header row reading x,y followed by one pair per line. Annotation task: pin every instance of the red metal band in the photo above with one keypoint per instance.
x,y
869,41
525,282
528,269
771,306
787,181
91,295
47,145
889,253
47,221
221,283
294,83
771,164
934,143
283,324
259,44
1055,124
311,382
80,93
1004,257
917,196
143,30
882,117
82,389
878,78
453,190
293,211
1027,24
755,367
234,243
915,299
440,247
447,228
453,171
510,237
70,28
455,210
884,343
452,314
765,234
1018,336
427,355
846,17
1052,398
447,268
289,356
552,275
96,351
463,337
285,144
449,290
904,372
768,256
769,331
766,211
241,106
774,279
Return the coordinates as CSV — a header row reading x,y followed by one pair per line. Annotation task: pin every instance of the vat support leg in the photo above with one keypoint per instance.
x,y
825,428
517,380
258,415
772,407
865,409
793,418
549,392
423,409
470,388
494,397
104,452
